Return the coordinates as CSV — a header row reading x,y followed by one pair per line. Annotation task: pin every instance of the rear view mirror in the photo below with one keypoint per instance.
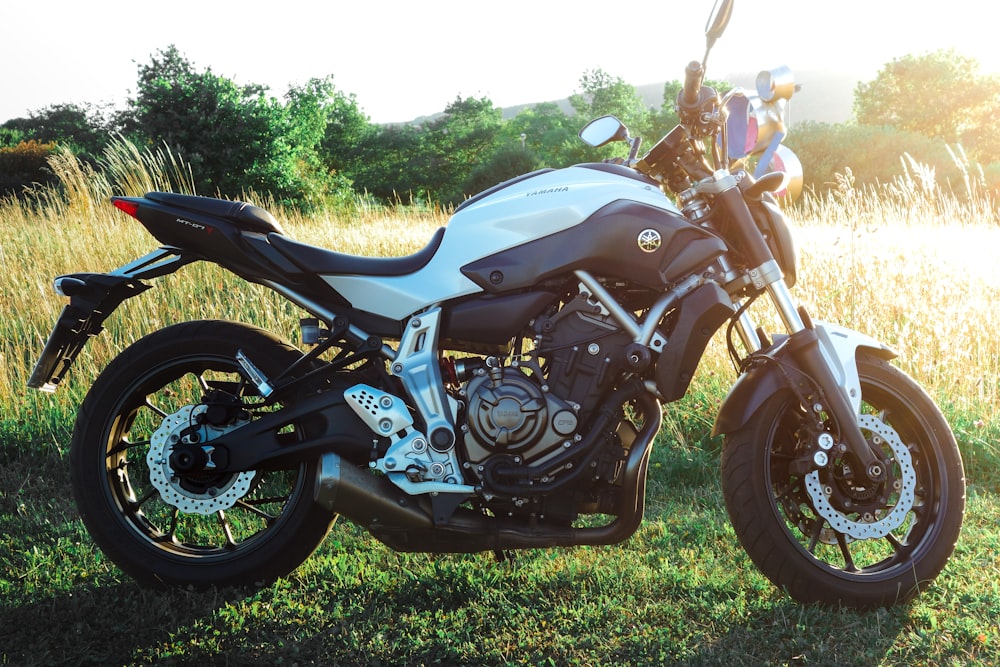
x,y
603,130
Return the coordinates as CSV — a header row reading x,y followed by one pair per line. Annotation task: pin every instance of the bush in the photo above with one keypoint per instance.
x,y
25,163
873,154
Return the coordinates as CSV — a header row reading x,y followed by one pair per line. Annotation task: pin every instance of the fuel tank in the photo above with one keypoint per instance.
x,y
599,217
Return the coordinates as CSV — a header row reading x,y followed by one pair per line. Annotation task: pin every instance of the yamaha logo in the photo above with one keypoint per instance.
x,y
649,240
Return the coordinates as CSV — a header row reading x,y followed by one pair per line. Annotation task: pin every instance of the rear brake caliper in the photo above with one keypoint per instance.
x,y
180,461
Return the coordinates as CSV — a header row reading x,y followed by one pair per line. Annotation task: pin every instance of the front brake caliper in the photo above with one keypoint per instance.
x,y
871,526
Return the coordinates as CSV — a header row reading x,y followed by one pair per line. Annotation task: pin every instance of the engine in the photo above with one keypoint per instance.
x,y
535,410
512,414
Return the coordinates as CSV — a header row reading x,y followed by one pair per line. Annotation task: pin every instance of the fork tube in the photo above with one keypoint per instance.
x,y
747,330
785,304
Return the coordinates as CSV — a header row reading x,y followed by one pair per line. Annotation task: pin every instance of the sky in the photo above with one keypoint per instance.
x,y
403,60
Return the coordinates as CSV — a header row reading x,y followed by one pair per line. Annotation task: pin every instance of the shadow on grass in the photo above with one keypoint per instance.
x,y
788,633
100,625
452,611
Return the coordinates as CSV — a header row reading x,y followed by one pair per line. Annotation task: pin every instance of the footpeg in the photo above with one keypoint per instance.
x,y
410,463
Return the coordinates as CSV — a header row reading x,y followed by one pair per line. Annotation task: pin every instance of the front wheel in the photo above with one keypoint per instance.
x,y
829,535
164,527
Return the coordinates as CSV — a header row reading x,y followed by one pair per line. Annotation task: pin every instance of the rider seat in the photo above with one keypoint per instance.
x,y
320,260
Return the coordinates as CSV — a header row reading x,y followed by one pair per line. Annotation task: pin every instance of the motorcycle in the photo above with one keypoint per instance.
x,y
501,388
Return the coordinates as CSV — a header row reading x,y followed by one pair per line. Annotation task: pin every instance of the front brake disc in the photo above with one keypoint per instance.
x,y
863,530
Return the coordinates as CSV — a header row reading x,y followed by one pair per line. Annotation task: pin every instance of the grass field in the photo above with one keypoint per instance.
x,y
917,274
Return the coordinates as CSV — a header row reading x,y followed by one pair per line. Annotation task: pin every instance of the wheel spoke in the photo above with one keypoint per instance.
x,y
226,528
251,506
792,486
170,535
898,547
152,406
849,565
125,445
136,505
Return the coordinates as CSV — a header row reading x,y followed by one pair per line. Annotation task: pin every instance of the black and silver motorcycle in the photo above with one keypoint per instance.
x,y
501,388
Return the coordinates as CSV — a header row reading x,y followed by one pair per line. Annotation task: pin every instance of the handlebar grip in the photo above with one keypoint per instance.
x,y
694,74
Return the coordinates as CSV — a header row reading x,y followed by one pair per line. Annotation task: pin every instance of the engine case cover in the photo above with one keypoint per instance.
x,y
509,413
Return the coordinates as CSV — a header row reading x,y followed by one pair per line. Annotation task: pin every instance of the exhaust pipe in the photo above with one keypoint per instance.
x,y
366,499
405,523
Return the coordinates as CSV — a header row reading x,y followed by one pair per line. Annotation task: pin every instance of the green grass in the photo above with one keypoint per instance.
x,y
680,591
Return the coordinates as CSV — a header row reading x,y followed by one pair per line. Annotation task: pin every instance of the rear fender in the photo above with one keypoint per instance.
x,y
839,346
93,297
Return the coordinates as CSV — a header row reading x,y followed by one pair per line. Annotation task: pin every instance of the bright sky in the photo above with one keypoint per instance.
x,y
407,59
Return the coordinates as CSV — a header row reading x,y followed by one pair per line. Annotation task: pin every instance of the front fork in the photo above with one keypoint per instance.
x,y
836,398
817,380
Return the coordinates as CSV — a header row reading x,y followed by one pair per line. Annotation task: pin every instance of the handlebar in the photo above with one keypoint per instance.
x,y
694,74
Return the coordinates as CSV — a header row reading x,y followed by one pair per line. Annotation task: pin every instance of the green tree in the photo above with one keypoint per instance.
x,y
386,163
602,94
83,128
347,128
462,139
505,164
939,94
315,113
548,133
873,154
236,138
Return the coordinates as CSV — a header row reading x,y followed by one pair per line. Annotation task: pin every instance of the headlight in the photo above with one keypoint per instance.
x,y
754,117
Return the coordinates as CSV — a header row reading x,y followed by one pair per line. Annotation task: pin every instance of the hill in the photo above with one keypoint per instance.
x,y
825,96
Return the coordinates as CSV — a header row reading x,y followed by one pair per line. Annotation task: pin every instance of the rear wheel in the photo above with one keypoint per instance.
x,y
829,535
164,527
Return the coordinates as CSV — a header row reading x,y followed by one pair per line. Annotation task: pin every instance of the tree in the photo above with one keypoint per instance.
x,y
386,163
234,137
463,138
505,164
603,94
316,114
873,154
83,128
939,94
548,133
347,129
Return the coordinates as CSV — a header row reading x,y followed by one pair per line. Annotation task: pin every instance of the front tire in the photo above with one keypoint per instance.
x,y
183,538
786,528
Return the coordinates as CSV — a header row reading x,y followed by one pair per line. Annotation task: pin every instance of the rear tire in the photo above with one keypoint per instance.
x,y
263,535
798,549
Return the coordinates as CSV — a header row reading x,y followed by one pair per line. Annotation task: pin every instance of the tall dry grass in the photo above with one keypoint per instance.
x,y
912,265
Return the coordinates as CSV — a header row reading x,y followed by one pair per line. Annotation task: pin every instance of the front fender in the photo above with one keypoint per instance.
x,y
839,346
